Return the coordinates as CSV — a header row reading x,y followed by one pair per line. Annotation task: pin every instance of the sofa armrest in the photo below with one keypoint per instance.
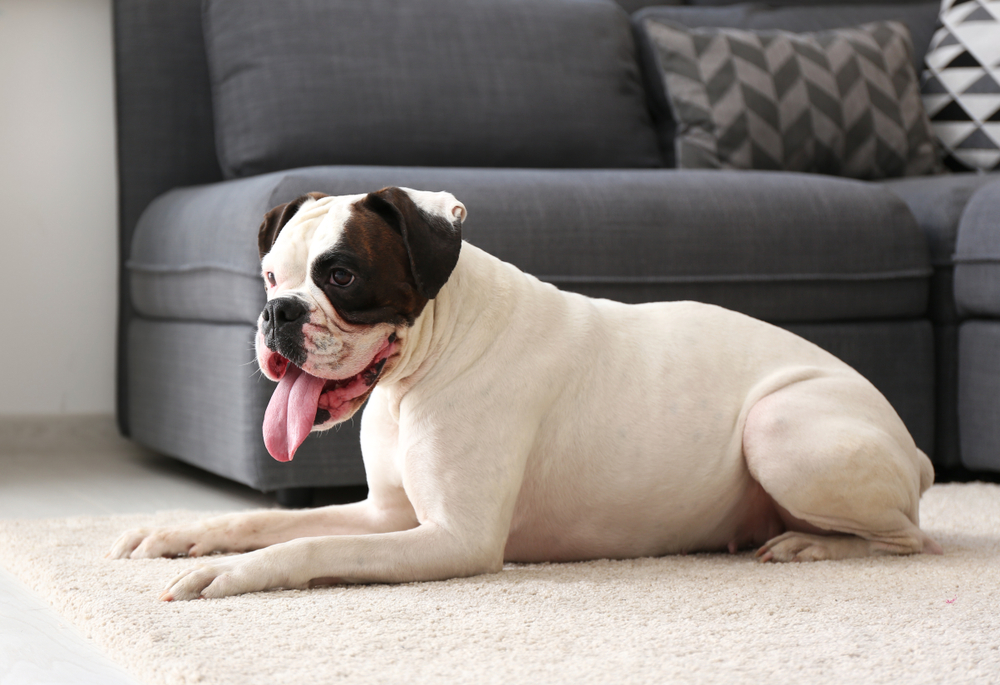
x,y
164,118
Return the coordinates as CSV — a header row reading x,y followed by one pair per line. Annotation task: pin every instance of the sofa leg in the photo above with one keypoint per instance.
x,y
295,498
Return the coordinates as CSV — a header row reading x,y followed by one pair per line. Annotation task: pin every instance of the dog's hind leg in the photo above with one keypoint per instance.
x,y
842,469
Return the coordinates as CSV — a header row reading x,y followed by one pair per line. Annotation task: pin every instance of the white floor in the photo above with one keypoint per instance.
x,y
80,466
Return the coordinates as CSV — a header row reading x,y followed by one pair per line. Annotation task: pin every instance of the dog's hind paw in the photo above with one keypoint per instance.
x,y
792,546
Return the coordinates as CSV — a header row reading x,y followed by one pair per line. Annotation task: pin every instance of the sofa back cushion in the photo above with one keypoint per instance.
x,y
528,83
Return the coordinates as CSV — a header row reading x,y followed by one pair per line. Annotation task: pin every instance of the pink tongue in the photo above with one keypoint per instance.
x,y
291,412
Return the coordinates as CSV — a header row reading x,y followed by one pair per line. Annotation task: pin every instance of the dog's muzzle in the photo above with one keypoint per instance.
x,y
282,321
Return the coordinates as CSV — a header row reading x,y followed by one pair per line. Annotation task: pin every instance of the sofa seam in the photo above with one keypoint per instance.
x,y
979,259
144,267
896,274
900,274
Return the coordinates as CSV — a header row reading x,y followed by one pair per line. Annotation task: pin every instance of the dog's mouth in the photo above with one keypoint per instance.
x,y
302,401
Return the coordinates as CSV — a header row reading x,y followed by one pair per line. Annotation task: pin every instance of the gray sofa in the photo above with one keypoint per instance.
x,y
535,114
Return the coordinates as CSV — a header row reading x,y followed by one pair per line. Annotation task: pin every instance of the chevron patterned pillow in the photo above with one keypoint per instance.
x,y
844,102
962,84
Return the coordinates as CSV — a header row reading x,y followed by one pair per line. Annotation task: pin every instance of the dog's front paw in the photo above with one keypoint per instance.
x,y
152,543
227,576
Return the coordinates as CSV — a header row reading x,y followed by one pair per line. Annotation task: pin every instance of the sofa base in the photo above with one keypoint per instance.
x,y
897,357
295,498
196,394
979,394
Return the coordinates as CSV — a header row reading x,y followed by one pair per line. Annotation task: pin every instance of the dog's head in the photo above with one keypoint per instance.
x,y
345,277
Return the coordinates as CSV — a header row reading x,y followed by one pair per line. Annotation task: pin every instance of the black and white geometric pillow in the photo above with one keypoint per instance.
x,y
844,102
961,87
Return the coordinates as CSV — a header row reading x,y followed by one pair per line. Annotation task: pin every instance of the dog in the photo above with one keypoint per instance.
x,y
508,420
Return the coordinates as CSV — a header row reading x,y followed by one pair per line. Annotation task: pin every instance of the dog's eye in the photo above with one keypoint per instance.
x,y
341,277
271,280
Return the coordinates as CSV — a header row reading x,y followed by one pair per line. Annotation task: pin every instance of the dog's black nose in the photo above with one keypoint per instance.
x,y
283,311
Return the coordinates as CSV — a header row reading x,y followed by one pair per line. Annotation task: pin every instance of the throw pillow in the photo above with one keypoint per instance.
x,y
793,3
962,84
844,102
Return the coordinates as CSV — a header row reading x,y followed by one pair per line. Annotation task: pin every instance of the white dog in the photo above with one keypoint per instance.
x,y
508,420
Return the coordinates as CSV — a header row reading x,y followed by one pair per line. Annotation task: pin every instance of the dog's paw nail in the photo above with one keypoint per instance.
x,y
165,597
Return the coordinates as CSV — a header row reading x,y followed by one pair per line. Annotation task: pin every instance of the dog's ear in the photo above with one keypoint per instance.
x,y
431,226
276,219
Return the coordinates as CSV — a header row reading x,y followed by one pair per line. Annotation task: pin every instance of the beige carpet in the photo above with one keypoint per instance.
x,y
700,618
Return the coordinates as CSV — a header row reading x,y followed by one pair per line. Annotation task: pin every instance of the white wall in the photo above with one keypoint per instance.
x,y
58,207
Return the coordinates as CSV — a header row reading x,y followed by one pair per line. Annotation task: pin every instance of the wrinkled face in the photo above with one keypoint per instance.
x,y
345,277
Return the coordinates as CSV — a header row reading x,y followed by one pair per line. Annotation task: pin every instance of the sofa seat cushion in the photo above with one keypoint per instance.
x,y
518,83
779,246
979,394
977,254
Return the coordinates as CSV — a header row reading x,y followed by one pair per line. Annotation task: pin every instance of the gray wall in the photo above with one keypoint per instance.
x,y
58,202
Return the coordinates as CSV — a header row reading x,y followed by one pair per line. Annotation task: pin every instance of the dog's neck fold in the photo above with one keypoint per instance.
x,y
476,290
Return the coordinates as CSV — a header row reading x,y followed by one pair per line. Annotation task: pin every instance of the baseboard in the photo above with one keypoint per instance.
x,y
32,434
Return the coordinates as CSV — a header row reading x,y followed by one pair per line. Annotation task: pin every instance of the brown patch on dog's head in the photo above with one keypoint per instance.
x,y
433,242
276,219
398,254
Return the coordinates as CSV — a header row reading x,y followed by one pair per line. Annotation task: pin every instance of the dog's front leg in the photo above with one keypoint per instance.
x,y
460,485
463,499
244,531
428,552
